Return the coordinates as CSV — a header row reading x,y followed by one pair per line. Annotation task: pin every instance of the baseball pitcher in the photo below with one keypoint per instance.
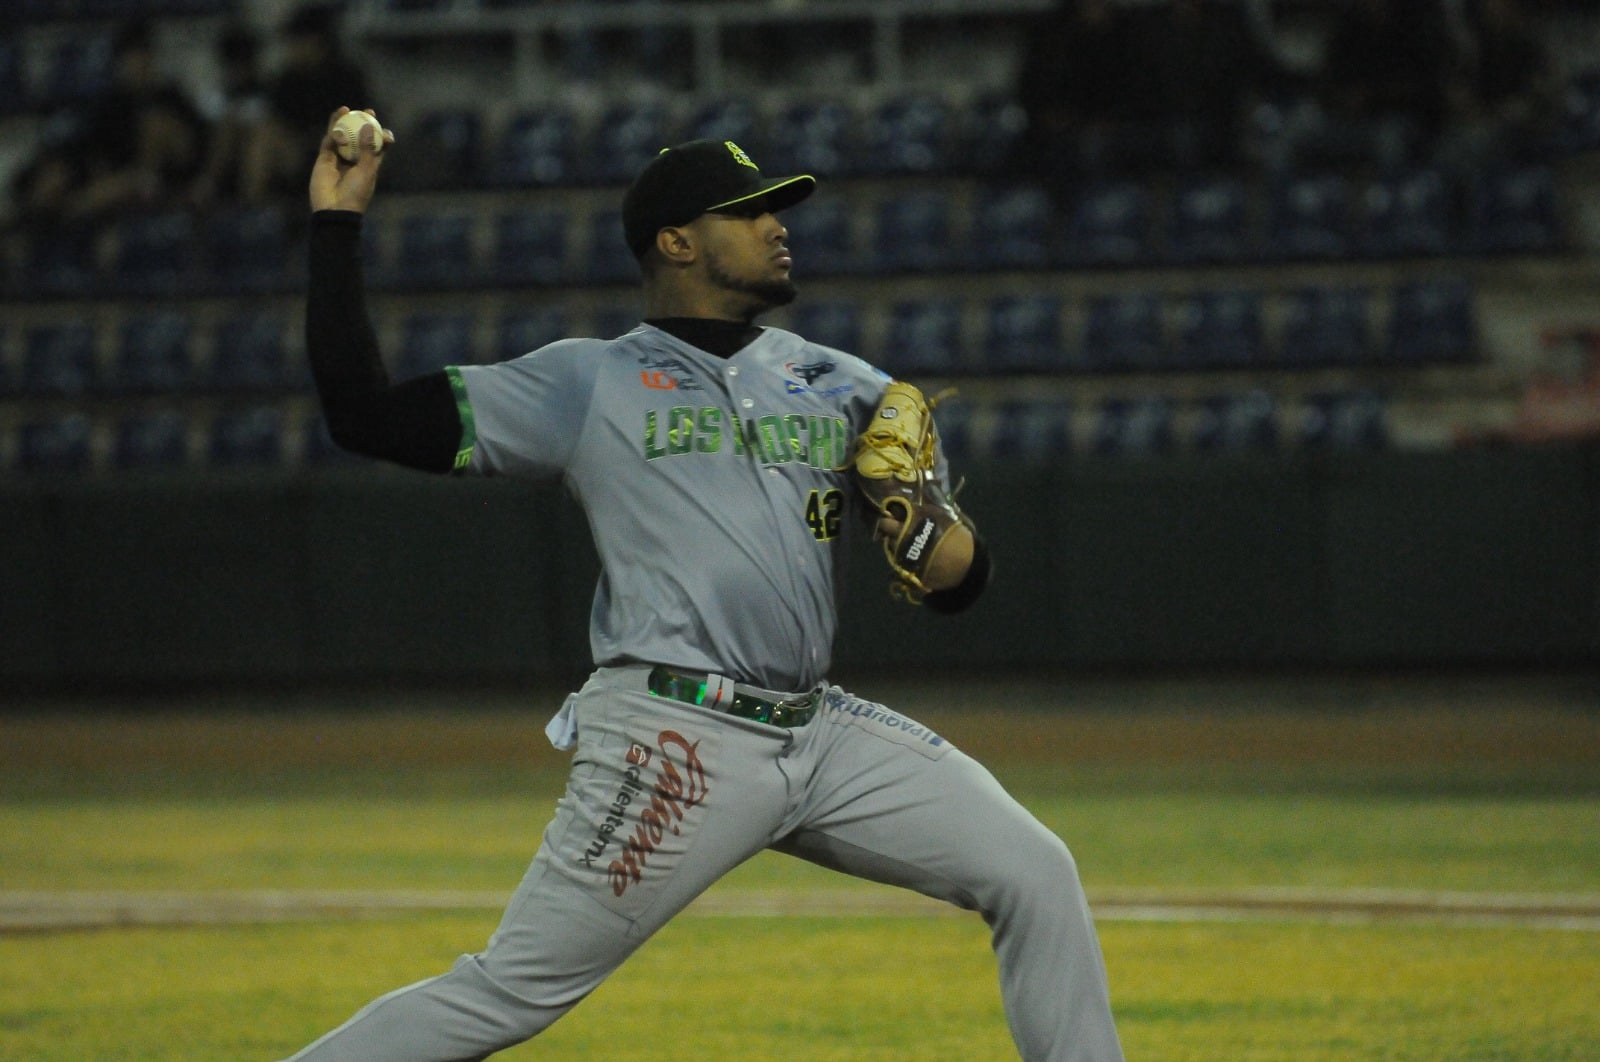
x,y
719,463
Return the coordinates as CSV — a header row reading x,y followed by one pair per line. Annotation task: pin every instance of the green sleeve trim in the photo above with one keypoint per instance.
x,y
469,426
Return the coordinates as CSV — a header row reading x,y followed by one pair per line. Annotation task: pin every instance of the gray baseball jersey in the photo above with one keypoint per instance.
x,y
712,486
713,492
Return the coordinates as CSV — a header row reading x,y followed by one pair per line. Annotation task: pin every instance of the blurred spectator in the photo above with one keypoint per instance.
x,y
1505,96
1081,84
315,79
237,111
1384,79
1204,64
136,144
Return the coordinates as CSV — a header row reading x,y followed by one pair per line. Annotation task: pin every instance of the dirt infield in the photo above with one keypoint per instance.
x,y
46,912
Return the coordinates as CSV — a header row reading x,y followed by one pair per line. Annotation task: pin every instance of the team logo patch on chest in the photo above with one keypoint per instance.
x,y
808,373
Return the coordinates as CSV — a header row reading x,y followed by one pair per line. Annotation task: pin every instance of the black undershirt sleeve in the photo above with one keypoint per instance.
x,y
413,423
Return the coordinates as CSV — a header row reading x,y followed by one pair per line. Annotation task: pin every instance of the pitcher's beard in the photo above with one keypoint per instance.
x,y
770,294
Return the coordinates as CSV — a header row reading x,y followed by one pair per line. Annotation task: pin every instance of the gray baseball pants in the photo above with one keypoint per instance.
x,y
664,798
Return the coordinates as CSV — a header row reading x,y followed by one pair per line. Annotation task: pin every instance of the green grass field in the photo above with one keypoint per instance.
x,y
1376,811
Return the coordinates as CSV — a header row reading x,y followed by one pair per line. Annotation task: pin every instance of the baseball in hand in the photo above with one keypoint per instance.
x,y
347,135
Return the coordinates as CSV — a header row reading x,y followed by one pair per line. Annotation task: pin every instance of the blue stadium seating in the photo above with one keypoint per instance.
x,y
607,259
1125,331
1110,225
735,119
1023,333
1432,320
1344,421
1580,113
815,137
913,233
822,236
953,421
246,249
156,253
430,341
153,356
247,354
1237,423
908,134
995,126
13,85
1405,214
151,441
834,323
613,321
1013,228
537,148
924,337
251,436
1210,221
1032,431
1326,326
627,136
55,446
1309,217
76,68
530,246
435,251
1138,427
522,331
444,150
1217,329
63,263
1514,210
59,360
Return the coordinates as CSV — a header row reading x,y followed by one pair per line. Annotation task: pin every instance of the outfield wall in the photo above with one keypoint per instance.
x,y
1488,557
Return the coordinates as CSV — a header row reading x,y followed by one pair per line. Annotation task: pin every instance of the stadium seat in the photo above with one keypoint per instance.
x,y
1110,225
1404,215
613,321
1217,329
247,354
953,421
834,323
76,67
536,149
1237,423
995,126
1210,221
1023,334
153,355
444,150
251,436
158,440
1580,114
822,236
1012,228
530,246
907,135
815,137
1309,217
522,331
430,341
1432,320
1326,326
734,119
1514,210
1344,421
13,85
607,258
59,360
627,136
1125,331
246,249
924,337
435,251
1139,427
155,253
913,233
1032,431
61,263
56,446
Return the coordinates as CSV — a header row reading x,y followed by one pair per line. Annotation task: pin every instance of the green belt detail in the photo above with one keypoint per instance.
x,y
469,426
691,690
